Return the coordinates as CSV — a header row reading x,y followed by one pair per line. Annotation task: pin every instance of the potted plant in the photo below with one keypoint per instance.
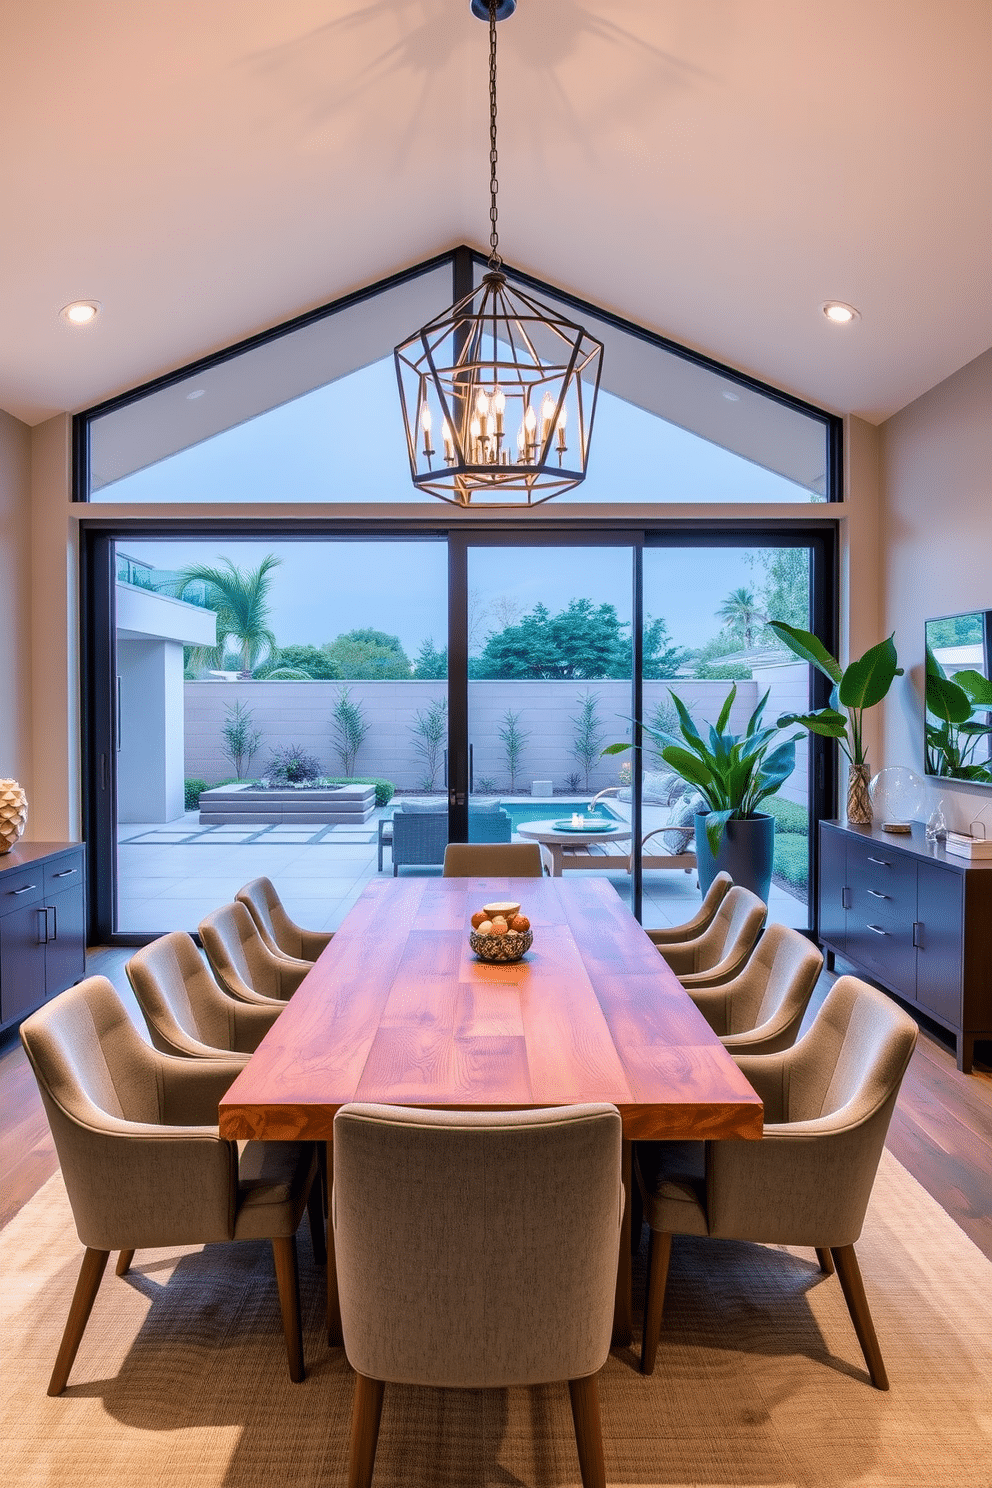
x,y
733,774
957,722
856,688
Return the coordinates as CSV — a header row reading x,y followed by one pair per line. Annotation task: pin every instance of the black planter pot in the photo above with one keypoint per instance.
x,y
746,852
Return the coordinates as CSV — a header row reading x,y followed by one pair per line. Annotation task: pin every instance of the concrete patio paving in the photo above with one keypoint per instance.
x,y
171,875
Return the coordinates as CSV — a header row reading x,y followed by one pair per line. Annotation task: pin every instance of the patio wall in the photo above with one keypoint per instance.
x,y
300,713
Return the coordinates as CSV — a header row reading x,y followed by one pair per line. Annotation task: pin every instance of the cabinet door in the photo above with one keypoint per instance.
x,y
65,953
833,883
22,956
940,912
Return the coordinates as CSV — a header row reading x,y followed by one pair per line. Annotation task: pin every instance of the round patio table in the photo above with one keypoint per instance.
x,y
556,841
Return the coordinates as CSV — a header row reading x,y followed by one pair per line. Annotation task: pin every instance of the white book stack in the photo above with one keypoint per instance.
x,y
963,846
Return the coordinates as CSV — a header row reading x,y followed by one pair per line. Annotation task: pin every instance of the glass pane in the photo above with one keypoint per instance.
x,y
296,419
550,685
264,688
705,633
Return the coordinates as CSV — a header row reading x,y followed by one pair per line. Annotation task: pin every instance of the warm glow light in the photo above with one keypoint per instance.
x,y
839,313
425,418
81,312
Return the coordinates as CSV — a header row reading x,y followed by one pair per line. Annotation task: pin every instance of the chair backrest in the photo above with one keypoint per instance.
x,y
489,824
778,979
493,860
239,958
181,1003
734,929
477,1249
279,933
419,837
852,1058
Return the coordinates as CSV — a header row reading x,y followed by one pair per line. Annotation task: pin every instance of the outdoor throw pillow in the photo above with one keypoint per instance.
x,y
424,808
682,825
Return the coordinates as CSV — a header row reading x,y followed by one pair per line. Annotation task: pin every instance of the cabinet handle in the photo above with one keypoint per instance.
x,y
26,889
918,935
42,937
877,930
877,894
882,862
53,910
845,898
66,873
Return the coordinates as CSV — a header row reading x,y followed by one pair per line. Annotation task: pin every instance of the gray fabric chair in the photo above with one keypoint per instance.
x,y
283,936
493,860
242,963
417,833
760,1010
828,1101
724,947
713,898
143,1165
476,1250
185,1010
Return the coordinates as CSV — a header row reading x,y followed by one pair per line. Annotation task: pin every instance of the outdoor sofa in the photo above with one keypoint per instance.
x,y
417,833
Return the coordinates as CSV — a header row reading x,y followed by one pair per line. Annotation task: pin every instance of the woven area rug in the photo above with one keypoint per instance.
x,y
181,1377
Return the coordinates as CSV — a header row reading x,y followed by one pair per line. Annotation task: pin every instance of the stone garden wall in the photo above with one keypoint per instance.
x,y
300,713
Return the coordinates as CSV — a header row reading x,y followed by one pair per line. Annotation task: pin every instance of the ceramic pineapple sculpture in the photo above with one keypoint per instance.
x,y
13,813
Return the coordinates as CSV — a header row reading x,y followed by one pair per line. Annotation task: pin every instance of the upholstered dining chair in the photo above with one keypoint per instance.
x,y
493,860
283,936
185,1010
143,1164
724,946
241,961
476,1250
760,1010
828,1101
701,920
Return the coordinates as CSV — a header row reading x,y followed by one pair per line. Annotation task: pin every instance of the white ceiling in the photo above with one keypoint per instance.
x,y
714,169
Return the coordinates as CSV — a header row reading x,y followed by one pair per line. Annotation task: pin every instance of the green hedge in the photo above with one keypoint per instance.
x,y
191,793
788,816
792,859
385,790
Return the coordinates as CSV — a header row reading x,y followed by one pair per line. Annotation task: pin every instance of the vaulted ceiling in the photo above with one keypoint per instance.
x,y
714,169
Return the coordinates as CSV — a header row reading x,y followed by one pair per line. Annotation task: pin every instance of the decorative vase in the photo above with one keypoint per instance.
x,y
746,852
13,814
858,797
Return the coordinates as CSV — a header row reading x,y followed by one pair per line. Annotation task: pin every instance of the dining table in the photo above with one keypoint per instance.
x,y
399,1010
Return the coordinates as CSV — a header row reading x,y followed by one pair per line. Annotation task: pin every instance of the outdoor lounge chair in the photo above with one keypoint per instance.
x,y
420,831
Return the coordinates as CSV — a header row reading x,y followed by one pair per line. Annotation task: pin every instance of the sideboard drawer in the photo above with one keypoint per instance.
x,y
21,887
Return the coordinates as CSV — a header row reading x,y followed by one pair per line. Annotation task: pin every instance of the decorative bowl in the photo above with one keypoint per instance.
x,y
508,947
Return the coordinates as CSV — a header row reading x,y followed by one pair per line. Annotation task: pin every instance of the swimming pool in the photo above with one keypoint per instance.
x,y
561,806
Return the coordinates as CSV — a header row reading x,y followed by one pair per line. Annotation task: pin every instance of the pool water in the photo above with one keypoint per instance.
x,y
558,809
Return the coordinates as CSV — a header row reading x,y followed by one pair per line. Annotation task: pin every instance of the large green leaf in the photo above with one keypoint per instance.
x,y
754,721
978,688
865,682
808,648
933,666
689,766
826,721
946,700
689,730
616,748
715,823
724,718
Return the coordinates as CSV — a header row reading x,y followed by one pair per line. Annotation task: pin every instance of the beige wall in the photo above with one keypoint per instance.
x,y
15,610
936,510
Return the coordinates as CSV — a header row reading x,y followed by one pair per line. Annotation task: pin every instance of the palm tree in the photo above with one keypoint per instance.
x,y
239,597
740,612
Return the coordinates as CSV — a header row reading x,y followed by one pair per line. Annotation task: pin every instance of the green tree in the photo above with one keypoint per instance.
x,y
241,737
514,738
587,738
368,655
431,665
240,599
741,615
661,658
350,728
306,661
429,733
583,640
783,588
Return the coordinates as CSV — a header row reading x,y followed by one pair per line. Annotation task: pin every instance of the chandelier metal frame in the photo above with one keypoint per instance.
x,y
505,385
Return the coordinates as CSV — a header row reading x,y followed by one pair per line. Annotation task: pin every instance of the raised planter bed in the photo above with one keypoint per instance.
x,y
232,805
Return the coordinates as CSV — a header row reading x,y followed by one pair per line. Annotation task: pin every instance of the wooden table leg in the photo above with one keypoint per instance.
x,y
623,1326
557,852
335,1337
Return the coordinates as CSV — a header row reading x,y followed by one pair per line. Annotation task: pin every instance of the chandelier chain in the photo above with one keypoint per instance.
x,y
495,262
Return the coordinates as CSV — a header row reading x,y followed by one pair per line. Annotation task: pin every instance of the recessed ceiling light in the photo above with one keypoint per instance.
x,y
196,393
840,313
81,312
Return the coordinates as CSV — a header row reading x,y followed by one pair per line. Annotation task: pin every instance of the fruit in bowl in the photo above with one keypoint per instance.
x,y
500,933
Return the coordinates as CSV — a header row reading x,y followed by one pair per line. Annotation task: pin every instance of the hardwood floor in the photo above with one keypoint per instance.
x,y
941,1131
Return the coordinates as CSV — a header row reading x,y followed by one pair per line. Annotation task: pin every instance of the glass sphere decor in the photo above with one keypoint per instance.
x,y
897,797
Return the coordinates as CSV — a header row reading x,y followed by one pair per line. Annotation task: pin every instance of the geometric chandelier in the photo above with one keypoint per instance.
x,y
499,391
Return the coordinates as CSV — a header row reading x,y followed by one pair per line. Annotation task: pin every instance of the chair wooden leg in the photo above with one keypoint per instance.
x,y
849,1273
124,1262
365,1417
659,1254
315,1214
825,1259
88,1284
584,1395
288,1280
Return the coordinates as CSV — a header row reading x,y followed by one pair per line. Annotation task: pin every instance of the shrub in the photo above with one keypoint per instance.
x,y
241,737
788,816
350,728
514,738
573,782
588,735
430,732
191,793
385,790
792,859
292,766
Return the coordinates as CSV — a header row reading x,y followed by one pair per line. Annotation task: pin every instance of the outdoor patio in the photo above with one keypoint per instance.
x,y
171,875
